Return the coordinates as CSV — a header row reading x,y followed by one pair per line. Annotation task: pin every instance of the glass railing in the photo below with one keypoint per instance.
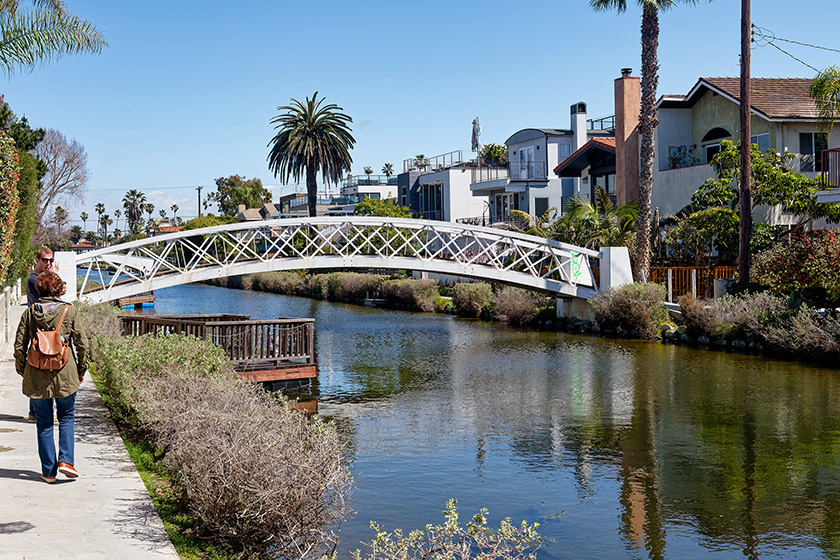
x,y
483,174
366,180
528,171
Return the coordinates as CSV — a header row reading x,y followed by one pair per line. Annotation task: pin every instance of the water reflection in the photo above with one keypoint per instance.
x,y
620,449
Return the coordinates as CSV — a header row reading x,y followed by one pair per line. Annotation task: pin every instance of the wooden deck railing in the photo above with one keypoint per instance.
x,y
697,281
248,343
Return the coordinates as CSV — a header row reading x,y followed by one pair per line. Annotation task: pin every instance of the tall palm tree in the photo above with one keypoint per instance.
x,y
388,170
45,32
105,221
117,214
647,116
100,209
825,91
174,209
84,217
133,203
311,137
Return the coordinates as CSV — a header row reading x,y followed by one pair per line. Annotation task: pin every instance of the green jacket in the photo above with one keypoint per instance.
x,y
45,384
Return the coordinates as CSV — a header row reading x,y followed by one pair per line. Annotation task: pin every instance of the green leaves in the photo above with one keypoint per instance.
x,y
825,91
43,34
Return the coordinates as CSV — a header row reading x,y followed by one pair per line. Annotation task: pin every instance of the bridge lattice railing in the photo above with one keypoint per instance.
x,y
479,250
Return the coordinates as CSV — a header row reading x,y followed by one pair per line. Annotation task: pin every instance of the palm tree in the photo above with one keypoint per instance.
x,y
174,209
388,170
539,226
60,218
76,234
825,91
84,216
46,32
100,209
117,214
133,202
149,208
311,138
105,221
647,116
596,225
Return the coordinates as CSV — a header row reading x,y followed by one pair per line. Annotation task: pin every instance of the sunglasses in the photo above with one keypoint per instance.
x,y
47,260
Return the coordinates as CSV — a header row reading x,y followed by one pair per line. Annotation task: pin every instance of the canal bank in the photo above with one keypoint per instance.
x,y
105,513
619,448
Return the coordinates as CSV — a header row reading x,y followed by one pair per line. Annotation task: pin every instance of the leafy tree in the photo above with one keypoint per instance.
x,y
235,190
381,207
84,216
647,116
133,203
311,138
45,32
208,220
388,170
494,154
825,91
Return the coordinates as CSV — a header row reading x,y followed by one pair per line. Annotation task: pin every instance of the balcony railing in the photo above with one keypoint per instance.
x,y
831,167
604,123
367,180
456,158
483,174
530,171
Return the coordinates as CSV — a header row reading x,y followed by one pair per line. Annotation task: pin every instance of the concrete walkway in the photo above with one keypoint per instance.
x,y
105,513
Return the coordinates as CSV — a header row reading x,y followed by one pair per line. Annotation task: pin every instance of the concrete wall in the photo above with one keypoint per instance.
x,y
672,188
713,111
674,130
458,200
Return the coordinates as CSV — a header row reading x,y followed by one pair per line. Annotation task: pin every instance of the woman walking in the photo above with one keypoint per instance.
x,y
45,384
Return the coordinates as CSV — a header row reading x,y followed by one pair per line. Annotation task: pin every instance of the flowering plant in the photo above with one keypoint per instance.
x,y
9,200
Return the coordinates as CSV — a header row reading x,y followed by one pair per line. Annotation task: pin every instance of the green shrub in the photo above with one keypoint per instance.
x,y
470,298
101,320
802,333
637,308
516,306
806,268
442,304
261,477
730,316
282,282
416,294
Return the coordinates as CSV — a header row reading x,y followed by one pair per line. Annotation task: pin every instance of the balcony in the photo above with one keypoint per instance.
x,y
368,180
528,171
604,123
484,174
456,158
831,167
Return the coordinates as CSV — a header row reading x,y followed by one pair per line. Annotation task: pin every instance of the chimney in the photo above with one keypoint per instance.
x,y
627,107
240,208
578,119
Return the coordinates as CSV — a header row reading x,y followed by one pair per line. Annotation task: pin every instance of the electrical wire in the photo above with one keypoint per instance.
x,y
763,37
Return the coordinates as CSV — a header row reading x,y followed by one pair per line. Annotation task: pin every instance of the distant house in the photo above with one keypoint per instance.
x,y
692,126
83,246
164,229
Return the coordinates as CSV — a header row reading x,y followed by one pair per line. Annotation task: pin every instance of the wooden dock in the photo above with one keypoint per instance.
x,y
268,351
146,299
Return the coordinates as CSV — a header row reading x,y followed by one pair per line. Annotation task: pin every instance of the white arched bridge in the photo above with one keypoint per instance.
x,y
488,254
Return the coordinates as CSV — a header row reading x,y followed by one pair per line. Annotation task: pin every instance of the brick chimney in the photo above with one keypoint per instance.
x,y
627,106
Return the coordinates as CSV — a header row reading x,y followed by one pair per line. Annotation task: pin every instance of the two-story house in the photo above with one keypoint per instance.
x,y
692,126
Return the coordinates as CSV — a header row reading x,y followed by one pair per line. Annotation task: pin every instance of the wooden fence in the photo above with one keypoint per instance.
x,y
697,281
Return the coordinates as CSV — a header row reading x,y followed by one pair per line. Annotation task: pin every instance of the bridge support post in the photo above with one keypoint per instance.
x,y
574,307
66,261
615,267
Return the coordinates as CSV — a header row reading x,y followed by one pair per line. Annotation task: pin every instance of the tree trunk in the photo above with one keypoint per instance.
x,y
744,184
647,125
311,190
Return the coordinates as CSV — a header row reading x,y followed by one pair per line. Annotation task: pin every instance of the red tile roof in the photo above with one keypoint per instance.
x,y
775,98
169,229
83,244
605,142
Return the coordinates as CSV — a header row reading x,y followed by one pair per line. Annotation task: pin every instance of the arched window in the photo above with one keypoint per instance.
x,y
711,142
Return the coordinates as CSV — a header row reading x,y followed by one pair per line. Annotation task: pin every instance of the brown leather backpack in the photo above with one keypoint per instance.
x,y
47,350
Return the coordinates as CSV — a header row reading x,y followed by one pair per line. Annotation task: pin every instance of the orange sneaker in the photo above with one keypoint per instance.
x,y
68,470
48,479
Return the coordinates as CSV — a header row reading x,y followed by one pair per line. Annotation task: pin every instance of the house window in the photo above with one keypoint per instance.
x,y
711,142
563,151
431,201
504,204
540,206
526,164
811,146
709,152
763,141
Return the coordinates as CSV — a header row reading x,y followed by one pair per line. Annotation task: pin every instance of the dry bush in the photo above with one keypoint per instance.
x,y
317,286
356,286
802,333
101,319
279,282
263,478
470,298
730,317
637,308
516,306
416,294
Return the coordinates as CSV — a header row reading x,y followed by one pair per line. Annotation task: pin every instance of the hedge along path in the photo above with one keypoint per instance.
x,y
262,478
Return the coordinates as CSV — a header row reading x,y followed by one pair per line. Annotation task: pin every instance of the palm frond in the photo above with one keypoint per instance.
x,y
44,34
825,91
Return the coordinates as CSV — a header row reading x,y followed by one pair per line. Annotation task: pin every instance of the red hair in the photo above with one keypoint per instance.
x,y
49,284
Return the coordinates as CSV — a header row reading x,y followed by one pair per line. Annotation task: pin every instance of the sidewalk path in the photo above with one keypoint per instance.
x,y
105,513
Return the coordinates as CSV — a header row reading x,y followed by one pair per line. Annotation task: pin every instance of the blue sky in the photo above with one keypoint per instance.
x,y
185,91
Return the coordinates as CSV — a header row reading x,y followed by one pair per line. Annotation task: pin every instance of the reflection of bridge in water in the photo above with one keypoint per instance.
x,y
487,254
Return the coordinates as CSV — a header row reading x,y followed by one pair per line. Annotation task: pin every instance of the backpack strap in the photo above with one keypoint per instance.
x,y
63,315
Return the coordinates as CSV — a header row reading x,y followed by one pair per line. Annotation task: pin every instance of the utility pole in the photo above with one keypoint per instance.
x,y
199,200
744,183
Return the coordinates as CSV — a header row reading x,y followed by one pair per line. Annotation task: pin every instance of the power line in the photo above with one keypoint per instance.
x,y
774,45
769,38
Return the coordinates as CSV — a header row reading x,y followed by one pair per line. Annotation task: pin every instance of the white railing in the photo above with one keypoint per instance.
x,y
325,242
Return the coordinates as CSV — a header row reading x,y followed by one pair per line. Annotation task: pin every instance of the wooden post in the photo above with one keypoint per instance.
x,y
670,285
744,183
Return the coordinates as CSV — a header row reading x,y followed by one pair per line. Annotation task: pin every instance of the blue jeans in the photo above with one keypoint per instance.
x,y
66,412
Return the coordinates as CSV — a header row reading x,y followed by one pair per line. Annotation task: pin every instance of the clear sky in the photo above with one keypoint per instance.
x,y
185,90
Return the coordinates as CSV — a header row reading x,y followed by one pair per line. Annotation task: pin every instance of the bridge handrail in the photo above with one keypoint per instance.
x,y
410,223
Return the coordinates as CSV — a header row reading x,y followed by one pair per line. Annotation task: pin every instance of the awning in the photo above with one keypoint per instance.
x,y
589,154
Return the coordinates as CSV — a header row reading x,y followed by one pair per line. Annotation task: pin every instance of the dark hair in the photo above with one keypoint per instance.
x,y
42,252
49,284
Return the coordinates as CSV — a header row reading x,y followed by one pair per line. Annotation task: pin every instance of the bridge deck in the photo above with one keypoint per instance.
x,y
261,350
